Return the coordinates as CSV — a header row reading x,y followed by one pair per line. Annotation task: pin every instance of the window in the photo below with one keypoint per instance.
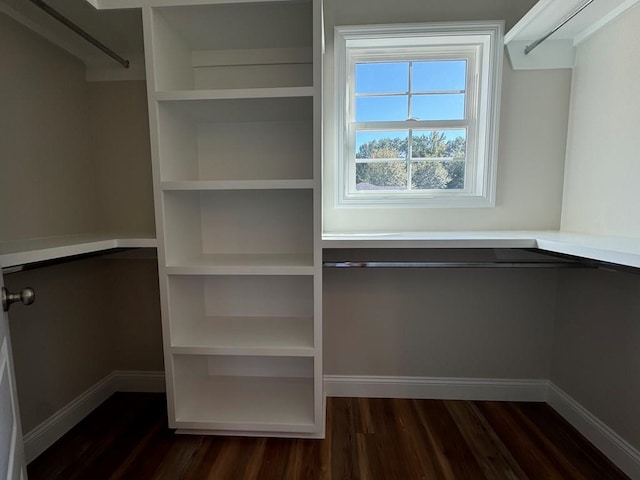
x,y
417,113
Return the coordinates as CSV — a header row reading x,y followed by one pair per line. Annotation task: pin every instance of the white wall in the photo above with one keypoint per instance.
x,y
601,195
534,108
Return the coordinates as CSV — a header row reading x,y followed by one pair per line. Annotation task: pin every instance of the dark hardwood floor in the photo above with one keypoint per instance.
x,y
127,438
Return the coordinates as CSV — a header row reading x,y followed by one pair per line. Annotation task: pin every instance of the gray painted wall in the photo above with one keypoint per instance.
x,y
597,339
596,344
493,323
46,186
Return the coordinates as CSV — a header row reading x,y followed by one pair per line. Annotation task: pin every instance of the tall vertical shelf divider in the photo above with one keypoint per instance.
x,y
235,111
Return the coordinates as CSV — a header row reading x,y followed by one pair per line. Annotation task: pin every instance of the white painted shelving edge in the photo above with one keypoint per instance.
x,y
24,252
618,250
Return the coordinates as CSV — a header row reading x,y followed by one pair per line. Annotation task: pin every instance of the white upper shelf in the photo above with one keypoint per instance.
x,y
559,50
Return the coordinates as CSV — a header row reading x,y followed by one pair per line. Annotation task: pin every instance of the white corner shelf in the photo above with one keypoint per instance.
x,y
623,251
24,252
559,50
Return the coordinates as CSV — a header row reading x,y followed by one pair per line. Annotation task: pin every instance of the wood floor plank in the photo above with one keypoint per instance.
x,y
524,447
344,447
491,454
565,441
415,442
367,439
453,454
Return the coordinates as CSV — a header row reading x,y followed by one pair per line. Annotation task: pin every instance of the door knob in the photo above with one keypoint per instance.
x,y
27,296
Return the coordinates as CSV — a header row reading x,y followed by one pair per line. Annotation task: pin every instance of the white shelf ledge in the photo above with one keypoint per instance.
x,y
617,250
24,252
244,264
198,185
234,94
559,50
432,240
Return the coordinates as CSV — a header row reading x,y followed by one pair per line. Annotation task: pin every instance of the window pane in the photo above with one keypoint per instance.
x,y
438,107
382,77
426,175
438,143
392,144
372,109
381,176
438,76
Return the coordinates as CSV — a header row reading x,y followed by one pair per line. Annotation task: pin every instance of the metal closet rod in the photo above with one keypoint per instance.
x,y
68,23
558,27
459,264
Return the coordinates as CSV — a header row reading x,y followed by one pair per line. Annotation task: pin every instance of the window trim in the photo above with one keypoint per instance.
x,y
352,43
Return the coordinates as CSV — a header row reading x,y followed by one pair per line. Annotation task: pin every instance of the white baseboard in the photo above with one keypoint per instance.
x,y
138,381
436,388
618,450
48,432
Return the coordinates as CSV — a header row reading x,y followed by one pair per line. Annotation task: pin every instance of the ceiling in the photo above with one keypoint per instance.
x,y
119,30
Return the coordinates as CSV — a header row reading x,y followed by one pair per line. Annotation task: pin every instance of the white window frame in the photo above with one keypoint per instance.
x,y
480,44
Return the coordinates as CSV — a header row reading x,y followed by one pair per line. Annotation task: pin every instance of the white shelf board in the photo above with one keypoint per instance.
x,y
558,51
24,252
618,250
431,240
252,336
244,264
280,404
232,93
242,110
199,185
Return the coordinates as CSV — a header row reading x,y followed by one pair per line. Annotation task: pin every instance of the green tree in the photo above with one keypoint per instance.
x,y
428,175
425,174
382,174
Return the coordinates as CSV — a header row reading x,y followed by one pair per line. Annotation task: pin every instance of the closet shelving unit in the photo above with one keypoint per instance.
x,y
234,104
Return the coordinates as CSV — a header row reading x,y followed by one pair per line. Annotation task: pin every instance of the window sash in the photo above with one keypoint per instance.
x,y
412,54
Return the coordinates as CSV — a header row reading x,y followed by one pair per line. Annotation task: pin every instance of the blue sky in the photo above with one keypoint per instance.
x,y
387,84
